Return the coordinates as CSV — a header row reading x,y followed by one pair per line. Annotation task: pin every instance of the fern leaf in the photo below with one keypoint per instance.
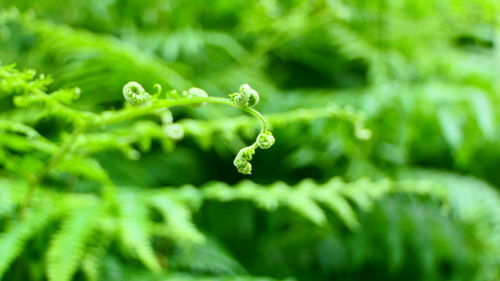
x,y
84,166
91,262
301,202
178,219
190,277
209,258
13,240
206,131
85,57
306,197
331,198
7,203
135,230
67,246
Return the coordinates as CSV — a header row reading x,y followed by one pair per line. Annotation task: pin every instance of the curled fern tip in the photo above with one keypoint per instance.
x,y
135,94
265,140
246,97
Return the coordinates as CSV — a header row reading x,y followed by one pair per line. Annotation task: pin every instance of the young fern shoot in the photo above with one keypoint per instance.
x,y
245,99
29,92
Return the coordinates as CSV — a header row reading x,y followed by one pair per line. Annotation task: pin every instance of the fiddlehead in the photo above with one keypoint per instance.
x,y
135,94
242,160
174,131
171,130
195,93
245,99
265,140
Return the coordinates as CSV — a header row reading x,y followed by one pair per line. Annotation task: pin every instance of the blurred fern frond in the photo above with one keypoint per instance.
x,y
415,197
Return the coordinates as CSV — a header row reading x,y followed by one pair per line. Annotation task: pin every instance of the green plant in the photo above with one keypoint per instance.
x,y
85,215
150,197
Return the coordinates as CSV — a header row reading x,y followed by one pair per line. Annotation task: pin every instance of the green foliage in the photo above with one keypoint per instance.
x,y
135,230
67,246
13,239
383,156
135,225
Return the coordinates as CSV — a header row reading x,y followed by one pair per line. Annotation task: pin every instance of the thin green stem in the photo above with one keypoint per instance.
x,y
263,121
34,183
133,112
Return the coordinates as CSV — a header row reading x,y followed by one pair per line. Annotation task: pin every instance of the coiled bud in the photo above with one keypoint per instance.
x,y
242,160
265,140
245,89
173,131
245,168
166,116
158,89
135,94
195,93
253,98
131,153
245,97
246,153
239,99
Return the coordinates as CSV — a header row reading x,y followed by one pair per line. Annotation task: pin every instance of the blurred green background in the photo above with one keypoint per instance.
x,y
423,75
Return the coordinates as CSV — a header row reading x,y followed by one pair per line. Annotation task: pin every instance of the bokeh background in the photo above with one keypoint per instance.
x,y
423,75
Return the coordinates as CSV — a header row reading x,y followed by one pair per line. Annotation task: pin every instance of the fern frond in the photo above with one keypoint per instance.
x,y
299,201
68,244
353,44
97,248
51,106
7,202
135,229
190,277
142,133
205,131
12,126
464,194
32,140
332,199
85,57
209,257
178,219
304,198
14,238
86,167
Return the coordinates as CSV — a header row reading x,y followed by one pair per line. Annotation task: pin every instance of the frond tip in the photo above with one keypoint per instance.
x,y
246,97
135,94
242,160
265,140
